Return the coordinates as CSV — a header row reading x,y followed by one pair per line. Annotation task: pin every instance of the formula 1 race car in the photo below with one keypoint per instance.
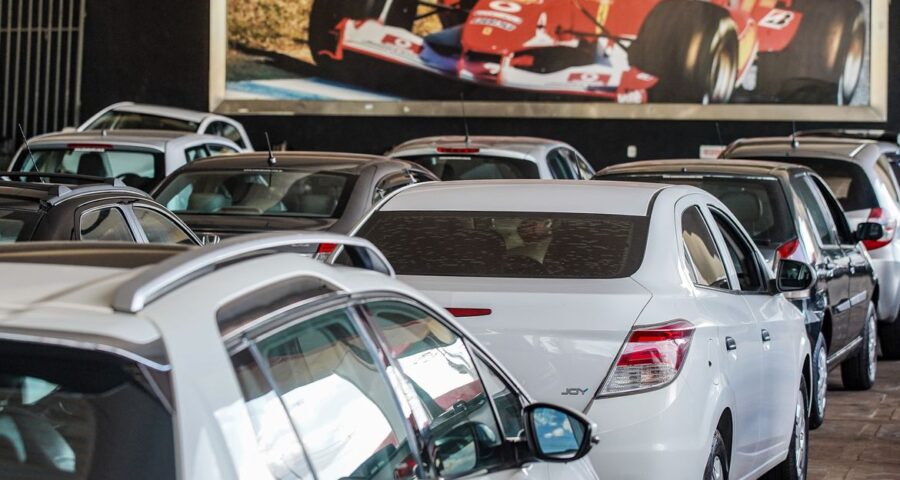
x,y
629,51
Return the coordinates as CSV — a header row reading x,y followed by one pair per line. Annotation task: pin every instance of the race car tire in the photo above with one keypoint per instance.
x,y
825,55
326,14
667,48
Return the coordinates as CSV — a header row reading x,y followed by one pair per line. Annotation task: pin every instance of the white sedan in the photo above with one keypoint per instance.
x,y
645,306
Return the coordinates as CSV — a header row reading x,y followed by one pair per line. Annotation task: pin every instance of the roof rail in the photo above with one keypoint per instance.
x,y
853,133
154,282
66,176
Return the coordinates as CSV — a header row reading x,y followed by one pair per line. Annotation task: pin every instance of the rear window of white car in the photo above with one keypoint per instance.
x,y
140,169
509,244
74,414
476,167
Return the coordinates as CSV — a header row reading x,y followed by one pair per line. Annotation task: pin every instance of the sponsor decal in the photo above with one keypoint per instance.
x,y
505,6
589,77
494,22
777,19
503,16
395,41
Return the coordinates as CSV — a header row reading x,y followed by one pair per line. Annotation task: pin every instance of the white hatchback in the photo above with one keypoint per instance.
x,y
246,359
645,306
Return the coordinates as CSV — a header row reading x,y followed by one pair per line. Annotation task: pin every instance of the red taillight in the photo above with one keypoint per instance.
x,y
787,249
97,147
326,248
457,150
652,357
877,215
469,312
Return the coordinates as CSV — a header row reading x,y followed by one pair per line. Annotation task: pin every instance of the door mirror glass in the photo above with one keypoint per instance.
x,y
557,434
869,231
794,276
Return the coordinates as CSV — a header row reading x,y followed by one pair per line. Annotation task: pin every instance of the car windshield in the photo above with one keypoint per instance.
x,y
115,120
140,169
258,192
476,167
72,414
16,225
509,244
758,202
846,179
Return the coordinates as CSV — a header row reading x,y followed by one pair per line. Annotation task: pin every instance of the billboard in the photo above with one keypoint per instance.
x,y
717,59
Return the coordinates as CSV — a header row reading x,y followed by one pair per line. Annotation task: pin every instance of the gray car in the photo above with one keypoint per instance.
x,y
489,157
790,213
860,175
249,192
140,158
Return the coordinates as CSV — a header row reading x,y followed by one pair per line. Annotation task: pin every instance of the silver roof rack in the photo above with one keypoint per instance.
x,y
156,281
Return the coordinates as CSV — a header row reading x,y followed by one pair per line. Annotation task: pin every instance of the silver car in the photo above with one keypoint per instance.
x,y
133,116
487,157
140,158
858,171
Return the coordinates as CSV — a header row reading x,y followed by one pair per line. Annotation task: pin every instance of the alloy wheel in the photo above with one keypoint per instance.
x,y
800,438
872,339
821,382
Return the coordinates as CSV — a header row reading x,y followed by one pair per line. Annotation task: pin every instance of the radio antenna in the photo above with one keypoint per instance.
x,y
271,160
30,154
465,119
794,142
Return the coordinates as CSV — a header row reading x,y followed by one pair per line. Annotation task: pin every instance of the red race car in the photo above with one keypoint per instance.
x,y
629,51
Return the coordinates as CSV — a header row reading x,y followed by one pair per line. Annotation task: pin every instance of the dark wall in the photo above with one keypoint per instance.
x,y
157,52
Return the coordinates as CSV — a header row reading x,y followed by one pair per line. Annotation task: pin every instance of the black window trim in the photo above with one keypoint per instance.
x,y
137,234
807,179
831,203
716,212
687,252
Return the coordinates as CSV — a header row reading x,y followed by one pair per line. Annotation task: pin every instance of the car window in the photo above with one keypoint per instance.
x,y
847,180
586,171
894,161
196,153
114,120
886,179
219,149
136,168
223,129
836,214
743,255
509,244
338,399
391,183
709,270
160,229
69,413
443,375
561,165
507,402
476,167
105,224
816,209
17,225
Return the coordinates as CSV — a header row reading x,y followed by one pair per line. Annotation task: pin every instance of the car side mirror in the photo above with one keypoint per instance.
x,y
557,434
869,231
794,276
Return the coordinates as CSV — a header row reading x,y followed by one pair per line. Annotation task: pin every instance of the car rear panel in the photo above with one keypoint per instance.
x,y
538,329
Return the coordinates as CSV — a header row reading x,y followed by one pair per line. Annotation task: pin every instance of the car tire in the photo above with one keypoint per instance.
x,y
858,371
666,42
889,334
823,63
819,383
326,14
717,464
794,467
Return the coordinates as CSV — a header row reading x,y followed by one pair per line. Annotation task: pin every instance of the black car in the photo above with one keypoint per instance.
x,y
790,212
43,207
251,192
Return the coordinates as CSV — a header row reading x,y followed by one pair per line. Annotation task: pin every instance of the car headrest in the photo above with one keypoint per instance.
x,y
316,204
91,163
207,202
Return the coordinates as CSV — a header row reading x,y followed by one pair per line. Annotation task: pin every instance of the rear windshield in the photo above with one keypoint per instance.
x,y
476,167
847,180
138,169
320,194
70,414
758,202
17,225
510,244
140,121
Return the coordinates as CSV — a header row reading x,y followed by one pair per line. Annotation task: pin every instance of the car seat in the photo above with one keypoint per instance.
x,y
92,164
747,207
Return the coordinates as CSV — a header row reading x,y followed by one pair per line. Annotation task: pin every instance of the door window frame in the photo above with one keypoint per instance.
x,y
681,209
166,214
137,233
748,244
804,178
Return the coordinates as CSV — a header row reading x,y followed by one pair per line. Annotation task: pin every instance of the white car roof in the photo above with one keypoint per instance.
x,y
616,198
163,111
525,146
156,139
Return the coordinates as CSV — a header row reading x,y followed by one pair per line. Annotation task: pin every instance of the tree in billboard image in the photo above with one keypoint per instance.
x,y
625,51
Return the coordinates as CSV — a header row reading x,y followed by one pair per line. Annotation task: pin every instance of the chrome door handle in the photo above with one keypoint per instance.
x,y
730,344
765,335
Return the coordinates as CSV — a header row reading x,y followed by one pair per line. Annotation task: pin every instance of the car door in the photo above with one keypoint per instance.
x,y
833,265
777,334
861,272
319,397
470,412
739,347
